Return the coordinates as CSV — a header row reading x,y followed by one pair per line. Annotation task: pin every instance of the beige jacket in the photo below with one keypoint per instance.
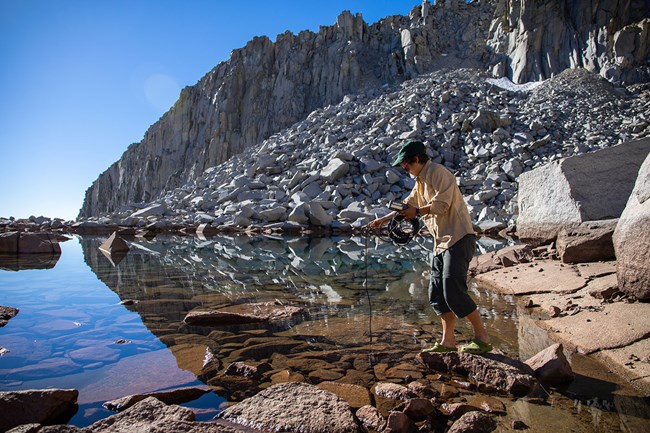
x,y
449,220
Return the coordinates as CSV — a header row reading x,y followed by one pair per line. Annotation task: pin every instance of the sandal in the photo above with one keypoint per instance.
x,y
439,348
476,347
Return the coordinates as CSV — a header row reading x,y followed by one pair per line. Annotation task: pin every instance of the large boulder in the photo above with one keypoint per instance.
x,y
43,406
632,239
29,243
588,187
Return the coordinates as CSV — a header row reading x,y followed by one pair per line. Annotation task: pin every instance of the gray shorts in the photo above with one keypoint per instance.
x,y
448,284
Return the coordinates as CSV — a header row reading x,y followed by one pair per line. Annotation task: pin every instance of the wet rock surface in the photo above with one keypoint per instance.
x,y
571,301
493,370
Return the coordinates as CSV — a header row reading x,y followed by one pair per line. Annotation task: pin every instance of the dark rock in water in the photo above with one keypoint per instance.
x,y
241,314
29,243
498,371
45,406
551,366
474,422
114,248
7,313
294,407
176,396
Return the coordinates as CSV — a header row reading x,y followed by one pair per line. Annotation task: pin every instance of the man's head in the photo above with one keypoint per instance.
x,y
412,152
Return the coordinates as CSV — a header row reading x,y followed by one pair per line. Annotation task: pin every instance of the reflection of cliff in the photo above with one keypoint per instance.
x,y
170,276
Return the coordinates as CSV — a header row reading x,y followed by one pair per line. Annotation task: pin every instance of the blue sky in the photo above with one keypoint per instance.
x,y
81,80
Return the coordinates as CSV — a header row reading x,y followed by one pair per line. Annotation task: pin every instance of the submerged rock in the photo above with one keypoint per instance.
x,y
175,396
241,314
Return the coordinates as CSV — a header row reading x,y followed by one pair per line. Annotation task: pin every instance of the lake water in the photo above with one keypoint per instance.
x,y
365,316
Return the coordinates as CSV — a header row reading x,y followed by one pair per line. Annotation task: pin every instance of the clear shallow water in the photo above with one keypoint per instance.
x,y
73,332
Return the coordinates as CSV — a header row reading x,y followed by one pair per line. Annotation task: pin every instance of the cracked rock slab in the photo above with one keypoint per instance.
x,y
541,276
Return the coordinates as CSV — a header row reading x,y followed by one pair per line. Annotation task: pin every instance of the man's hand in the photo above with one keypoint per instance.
x,y
376,223
409,213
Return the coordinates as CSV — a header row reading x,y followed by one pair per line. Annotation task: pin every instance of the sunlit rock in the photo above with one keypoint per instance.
x,y
551,366
294,407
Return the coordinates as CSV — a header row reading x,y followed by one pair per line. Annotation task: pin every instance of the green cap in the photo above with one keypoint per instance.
x,y
409,149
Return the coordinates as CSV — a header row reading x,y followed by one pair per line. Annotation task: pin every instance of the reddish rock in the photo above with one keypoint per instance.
x,y
456,410
505,257
418,409
474,422
500,372
591,241
551,366
399,422
370,418
488,404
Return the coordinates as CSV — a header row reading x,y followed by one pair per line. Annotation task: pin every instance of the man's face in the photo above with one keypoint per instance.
x,y
411,166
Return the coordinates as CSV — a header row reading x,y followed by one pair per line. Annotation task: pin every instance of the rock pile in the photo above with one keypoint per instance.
x,y
333,168
268,86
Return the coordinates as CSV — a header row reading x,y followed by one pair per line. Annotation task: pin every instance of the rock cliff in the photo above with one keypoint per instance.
x,y
267,86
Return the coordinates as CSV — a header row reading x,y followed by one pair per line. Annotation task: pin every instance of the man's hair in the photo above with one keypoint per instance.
x,y
422,158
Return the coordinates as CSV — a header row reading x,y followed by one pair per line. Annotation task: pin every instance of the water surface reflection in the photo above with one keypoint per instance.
x,y
364,317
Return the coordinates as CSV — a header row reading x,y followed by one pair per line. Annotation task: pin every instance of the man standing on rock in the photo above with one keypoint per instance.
x,y
438,200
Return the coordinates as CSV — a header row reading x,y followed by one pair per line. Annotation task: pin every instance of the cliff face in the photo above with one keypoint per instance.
x,y
267,86
535,40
